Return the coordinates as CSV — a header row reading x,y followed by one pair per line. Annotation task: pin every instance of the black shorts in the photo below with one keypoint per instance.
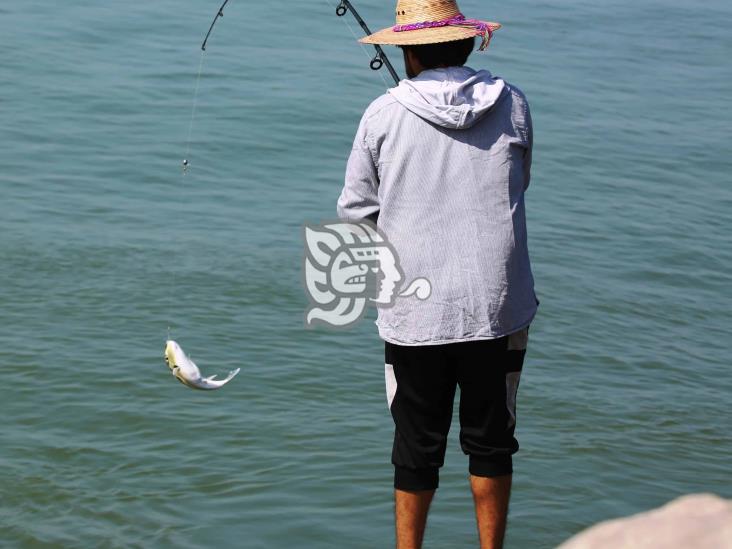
x,y
420,387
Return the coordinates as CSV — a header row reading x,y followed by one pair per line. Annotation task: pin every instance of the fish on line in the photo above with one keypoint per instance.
x,y
186,371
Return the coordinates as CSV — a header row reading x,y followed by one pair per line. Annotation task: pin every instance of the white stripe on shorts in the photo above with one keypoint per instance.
x,y
391,383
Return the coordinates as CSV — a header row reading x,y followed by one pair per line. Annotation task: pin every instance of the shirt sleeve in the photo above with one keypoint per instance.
x,y
359,198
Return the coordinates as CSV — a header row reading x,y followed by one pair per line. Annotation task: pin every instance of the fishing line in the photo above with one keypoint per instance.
x,y
194,110
219,14
193,113
194,107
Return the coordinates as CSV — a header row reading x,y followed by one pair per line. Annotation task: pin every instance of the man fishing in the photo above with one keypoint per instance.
x,y
441,163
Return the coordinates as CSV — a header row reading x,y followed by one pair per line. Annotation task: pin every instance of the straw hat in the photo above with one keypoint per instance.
x,y
431,22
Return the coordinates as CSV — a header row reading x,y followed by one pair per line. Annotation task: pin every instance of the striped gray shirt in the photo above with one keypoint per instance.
x,y
441,163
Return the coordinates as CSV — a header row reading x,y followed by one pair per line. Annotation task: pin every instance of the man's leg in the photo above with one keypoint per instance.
x,y
491,495
488,375
420,387
410,513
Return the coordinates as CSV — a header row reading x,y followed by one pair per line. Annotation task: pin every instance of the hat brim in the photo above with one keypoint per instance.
x,y
433,35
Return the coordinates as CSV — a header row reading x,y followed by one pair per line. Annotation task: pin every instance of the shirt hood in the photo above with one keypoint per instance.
x,y
452,97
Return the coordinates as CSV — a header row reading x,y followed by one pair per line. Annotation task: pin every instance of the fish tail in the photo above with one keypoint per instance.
x,y
232,373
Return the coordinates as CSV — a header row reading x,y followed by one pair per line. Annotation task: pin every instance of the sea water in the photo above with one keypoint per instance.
x,y
104,244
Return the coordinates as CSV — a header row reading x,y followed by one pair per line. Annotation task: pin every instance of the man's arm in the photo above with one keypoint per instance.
x,y
360,195
528,153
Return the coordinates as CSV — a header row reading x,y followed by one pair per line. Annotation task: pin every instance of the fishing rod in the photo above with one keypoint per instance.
x,y
380,59
219,14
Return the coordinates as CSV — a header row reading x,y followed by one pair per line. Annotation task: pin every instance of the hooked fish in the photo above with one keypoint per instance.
x,y
186,371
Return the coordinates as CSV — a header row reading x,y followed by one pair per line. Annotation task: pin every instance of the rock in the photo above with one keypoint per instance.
x,y
693,521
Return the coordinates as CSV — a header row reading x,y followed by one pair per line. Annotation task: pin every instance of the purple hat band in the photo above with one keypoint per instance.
x,y
482,28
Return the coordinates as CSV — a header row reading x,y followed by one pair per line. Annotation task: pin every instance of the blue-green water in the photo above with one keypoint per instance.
x,y
625,398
